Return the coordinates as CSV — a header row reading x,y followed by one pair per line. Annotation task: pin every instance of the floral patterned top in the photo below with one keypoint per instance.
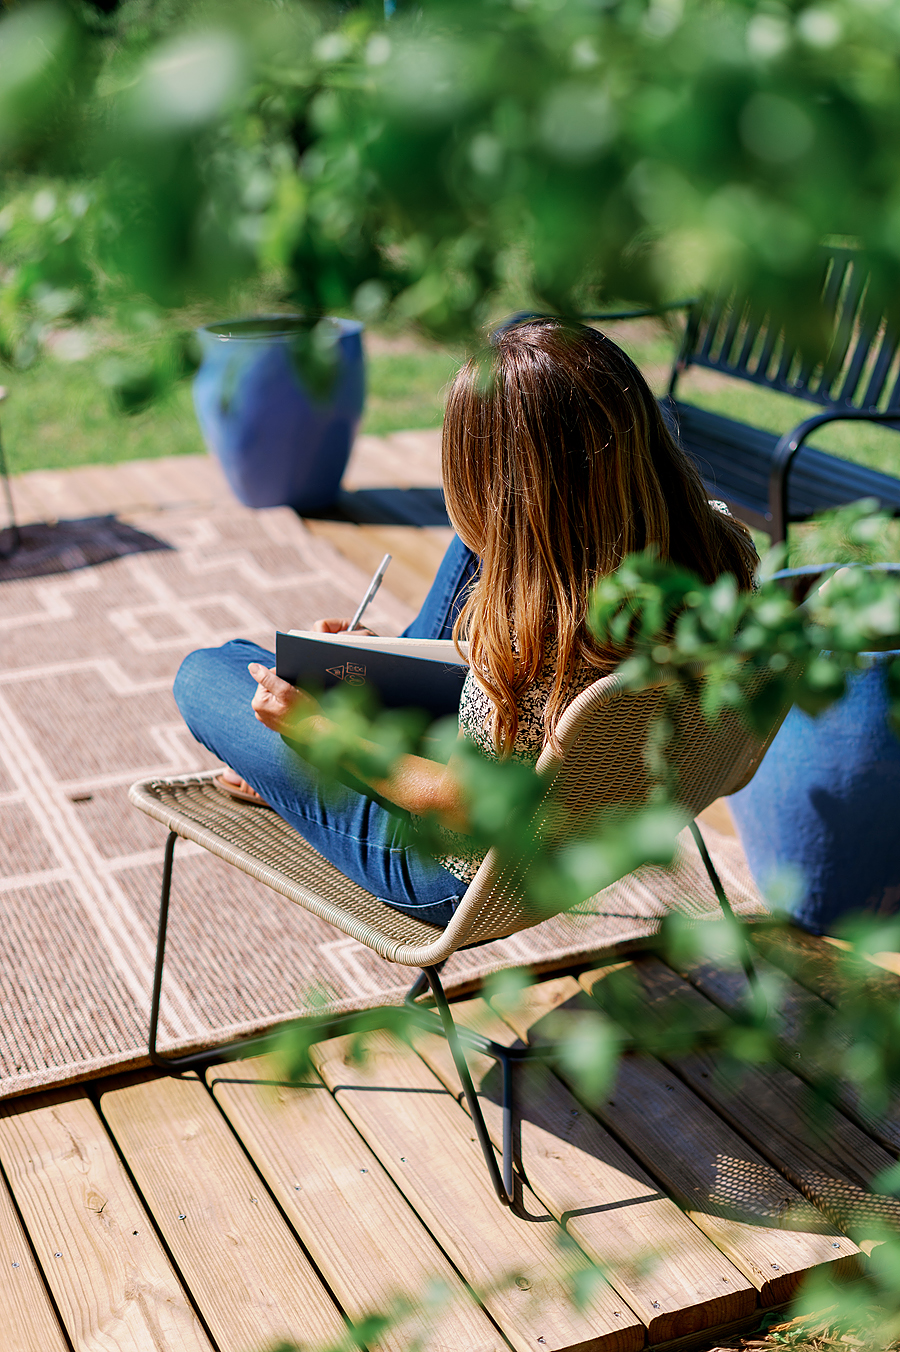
x,y
475,709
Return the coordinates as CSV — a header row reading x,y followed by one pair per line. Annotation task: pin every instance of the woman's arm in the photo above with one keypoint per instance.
x,y
416,784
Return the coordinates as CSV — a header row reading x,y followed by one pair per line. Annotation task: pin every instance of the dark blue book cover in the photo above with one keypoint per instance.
x,y
429,675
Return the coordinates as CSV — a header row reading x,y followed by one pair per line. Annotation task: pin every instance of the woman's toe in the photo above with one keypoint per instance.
x,y
231,782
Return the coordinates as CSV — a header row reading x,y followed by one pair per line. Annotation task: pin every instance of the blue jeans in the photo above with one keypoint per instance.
x,y
444,600
213,690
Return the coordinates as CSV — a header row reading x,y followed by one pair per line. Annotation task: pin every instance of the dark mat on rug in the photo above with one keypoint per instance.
x,y
92,634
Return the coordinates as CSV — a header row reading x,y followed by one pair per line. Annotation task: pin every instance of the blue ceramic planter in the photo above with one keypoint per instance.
x,y
826,800
278,442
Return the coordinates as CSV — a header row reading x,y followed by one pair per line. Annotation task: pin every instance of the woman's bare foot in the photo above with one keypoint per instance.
x,y
230,782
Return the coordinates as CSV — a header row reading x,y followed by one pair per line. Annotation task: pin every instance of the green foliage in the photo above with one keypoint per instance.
x,y
435,168
63,411
753,653
672,628
369,1331
858,533
677,630
426,163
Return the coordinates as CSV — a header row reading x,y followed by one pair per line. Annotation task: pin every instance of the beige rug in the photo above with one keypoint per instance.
x,y
95,616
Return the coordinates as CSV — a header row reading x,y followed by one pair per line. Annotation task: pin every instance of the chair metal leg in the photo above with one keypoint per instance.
x,y
440,1022
503,1186
419,987
208,1055
727,909
165,892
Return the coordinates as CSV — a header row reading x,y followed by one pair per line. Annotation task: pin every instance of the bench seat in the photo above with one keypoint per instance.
x,y
735,459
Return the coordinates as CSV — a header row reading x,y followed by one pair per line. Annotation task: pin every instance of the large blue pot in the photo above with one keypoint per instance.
x,y
278,441
826,800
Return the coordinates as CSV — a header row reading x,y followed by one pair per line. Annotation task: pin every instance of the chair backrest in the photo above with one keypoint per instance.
x,y
601,766
860,370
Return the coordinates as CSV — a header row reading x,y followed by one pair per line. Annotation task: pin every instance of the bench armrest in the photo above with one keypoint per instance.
x,y
790,444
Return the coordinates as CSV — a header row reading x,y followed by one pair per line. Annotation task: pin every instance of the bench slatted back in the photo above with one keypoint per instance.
x,y
860,369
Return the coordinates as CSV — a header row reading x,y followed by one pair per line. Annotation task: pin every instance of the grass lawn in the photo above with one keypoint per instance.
x,y
59,414
406,389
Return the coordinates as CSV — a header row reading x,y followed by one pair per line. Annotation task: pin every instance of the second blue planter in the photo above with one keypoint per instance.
x,y
825,802
280,438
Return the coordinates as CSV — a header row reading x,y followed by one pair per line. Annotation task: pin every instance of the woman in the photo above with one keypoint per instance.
x,y
556,464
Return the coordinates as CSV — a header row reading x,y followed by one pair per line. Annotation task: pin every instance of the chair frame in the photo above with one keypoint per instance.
x,y
503,1177
591,756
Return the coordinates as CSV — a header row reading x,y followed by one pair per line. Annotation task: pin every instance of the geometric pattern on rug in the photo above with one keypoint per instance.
x,y
89,646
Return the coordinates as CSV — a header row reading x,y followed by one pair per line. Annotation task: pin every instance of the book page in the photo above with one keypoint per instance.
x,y
431,649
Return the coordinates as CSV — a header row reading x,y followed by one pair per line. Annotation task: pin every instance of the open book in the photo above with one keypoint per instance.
x,y
418,673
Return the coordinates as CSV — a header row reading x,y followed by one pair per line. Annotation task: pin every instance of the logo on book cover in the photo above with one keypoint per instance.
x,y
351,672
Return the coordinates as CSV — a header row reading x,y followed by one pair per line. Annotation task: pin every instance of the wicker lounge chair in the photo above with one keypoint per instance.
x,y
601,765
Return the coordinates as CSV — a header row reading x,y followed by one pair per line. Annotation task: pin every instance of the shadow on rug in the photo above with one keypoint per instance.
x,y
46,548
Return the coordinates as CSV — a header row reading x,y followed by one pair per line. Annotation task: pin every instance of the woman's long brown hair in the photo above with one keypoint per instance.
x,y
557,463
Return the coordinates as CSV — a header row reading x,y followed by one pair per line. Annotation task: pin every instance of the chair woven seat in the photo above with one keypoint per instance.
x,y
598,766
263,845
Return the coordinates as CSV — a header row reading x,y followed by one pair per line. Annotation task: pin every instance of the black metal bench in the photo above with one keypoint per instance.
x,y
766,480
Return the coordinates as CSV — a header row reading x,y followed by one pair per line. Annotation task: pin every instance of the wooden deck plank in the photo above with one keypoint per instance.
x,y
182,480
799,1009
825,1155
120,489
416,552
667,1270
364,1238
112,1282
245,1270
718,816
399,460
764,1226
425,1142
829,967
27,1319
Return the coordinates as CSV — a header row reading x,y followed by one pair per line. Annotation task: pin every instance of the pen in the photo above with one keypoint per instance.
x,y
373,587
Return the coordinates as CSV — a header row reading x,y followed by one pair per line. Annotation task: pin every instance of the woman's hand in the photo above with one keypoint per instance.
x,y
275,700
340,627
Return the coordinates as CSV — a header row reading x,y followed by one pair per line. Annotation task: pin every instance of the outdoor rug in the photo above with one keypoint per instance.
x,y
95,616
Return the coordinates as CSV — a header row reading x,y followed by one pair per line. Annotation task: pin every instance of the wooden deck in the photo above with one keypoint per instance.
x,y
159,1214
228,1212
